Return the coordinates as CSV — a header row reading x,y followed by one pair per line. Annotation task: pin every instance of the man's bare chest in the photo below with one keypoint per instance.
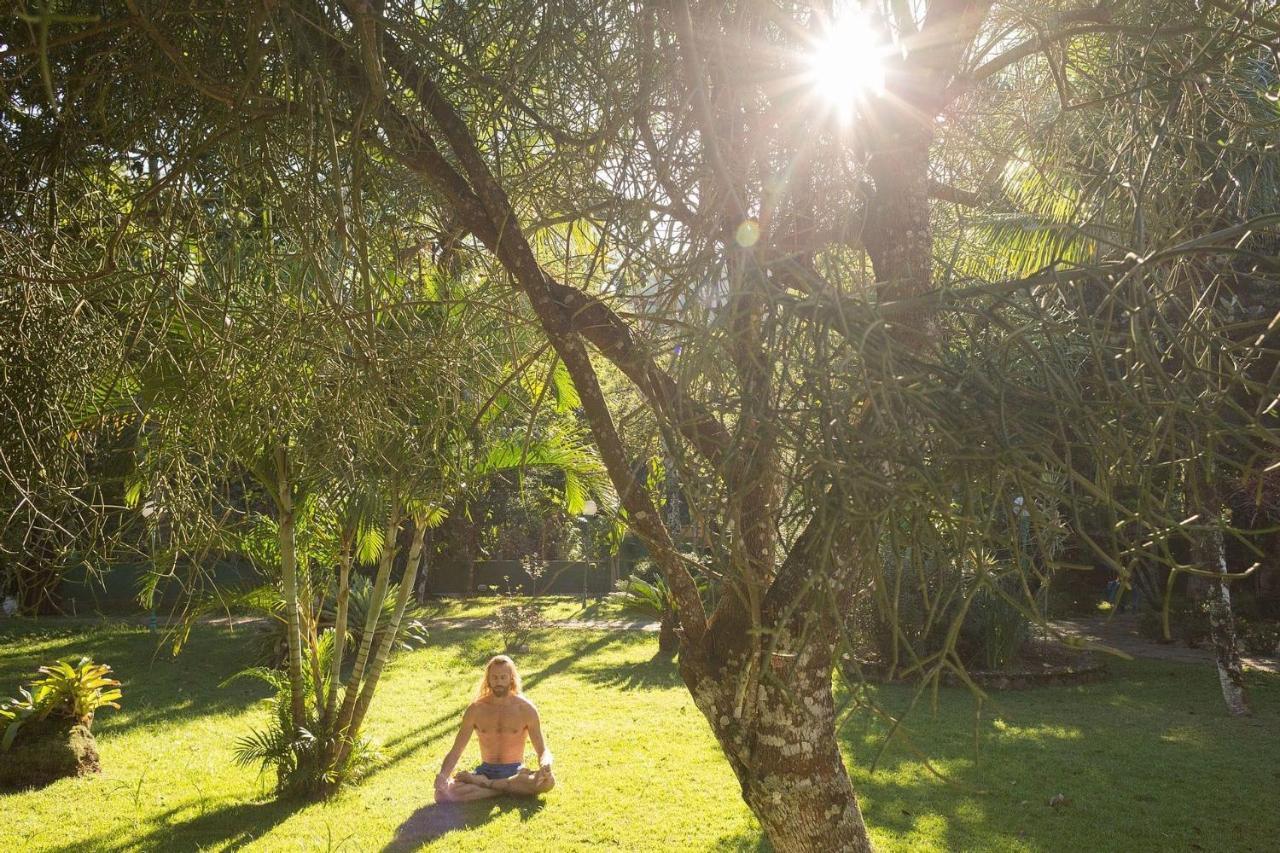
x,y
499,720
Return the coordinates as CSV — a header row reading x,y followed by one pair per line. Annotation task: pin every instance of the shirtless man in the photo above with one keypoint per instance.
x,y
502,718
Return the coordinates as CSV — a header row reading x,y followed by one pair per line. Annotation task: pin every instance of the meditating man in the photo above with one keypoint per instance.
x,y
501,717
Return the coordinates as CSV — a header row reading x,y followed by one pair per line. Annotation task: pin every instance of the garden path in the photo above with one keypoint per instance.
x,y
1120,632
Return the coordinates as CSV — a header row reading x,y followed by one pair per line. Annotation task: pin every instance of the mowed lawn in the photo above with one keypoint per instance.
x,y
1145,761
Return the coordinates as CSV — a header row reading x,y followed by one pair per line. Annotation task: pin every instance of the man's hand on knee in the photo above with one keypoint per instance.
x,y
544,780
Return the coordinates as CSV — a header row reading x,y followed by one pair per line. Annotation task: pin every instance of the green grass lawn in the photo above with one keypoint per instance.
x,y
552,607
1147,760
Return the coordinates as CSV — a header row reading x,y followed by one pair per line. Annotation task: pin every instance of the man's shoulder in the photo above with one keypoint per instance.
x,y
526,704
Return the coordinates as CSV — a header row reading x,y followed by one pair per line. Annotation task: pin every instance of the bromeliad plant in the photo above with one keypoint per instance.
x,y
72,691
653,598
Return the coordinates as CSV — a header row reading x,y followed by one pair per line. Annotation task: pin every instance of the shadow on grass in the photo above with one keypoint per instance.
x,y
1130,756
158,688
659,673
747,841
232,826
434,821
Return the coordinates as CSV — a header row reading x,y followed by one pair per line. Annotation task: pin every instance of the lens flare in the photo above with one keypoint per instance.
x,y
847,64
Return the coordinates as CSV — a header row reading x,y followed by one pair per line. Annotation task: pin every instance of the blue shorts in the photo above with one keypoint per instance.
x,y
498,771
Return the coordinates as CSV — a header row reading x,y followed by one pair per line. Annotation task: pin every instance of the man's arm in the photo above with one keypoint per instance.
x,y
459,744
539,743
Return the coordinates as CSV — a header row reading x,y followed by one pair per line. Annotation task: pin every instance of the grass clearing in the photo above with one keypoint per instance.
x,y
556,608
1147,760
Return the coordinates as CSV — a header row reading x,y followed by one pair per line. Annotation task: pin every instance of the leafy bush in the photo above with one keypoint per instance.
x,y
69,691
517,620
640,597
298,755
516,623
924,603
1259,637
413,631
994,630
654,599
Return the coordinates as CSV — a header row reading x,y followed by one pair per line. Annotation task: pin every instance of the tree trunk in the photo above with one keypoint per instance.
x,y
352,728
1222,631
340,623
781,744
380,582
668,639
289,582
1212,556
811,809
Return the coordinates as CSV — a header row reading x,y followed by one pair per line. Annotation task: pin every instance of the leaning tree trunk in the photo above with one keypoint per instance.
x,y
340,622
781,744
352,729
383,578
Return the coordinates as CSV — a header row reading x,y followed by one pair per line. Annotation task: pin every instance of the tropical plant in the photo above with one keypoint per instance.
x,y
69,690
413,630
653,598
301,756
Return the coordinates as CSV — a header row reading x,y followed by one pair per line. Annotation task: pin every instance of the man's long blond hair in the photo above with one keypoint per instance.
x,y
484,692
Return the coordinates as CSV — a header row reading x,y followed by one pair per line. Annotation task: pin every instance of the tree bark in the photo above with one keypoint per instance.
x,y
289,582
782,746
668,639
1211,554
1222,631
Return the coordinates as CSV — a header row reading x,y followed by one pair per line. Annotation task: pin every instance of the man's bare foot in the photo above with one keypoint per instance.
x,y
471,778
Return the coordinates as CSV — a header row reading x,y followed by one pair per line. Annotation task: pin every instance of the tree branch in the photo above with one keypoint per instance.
x,y
1039,42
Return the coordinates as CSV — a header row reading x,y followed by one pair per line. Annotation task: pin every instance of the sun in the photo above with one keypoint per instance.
x,y
846,64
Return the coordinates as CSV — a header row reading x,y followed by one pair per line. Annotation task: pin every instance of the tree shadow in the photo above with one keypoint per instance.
x,y
1112,748
436,820
232,826
579,651
747,841
157,686
658,673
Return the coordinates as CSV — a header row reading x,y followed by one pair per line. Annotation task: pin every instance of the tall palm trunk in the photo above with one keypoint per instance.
x,y
340,625
379,593
289,582
384,645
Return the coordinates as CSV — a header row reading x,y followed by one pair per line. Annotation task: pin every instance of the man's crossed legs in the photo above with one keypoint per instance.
x,y
466,786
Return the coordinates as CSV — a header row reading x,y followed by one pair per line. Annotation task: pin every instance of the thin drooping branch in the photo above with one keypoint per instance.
x,y
496,220
582,312
1042,41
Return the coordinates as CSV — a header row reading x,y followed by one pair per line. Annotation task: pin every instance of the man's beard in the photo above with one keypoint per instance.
x,y
499,690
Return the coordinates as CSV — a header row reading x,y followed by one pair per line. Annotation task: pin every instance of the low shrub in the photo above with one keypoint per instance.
x,y
1259,637
54,715
924,603
516,623
300,755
